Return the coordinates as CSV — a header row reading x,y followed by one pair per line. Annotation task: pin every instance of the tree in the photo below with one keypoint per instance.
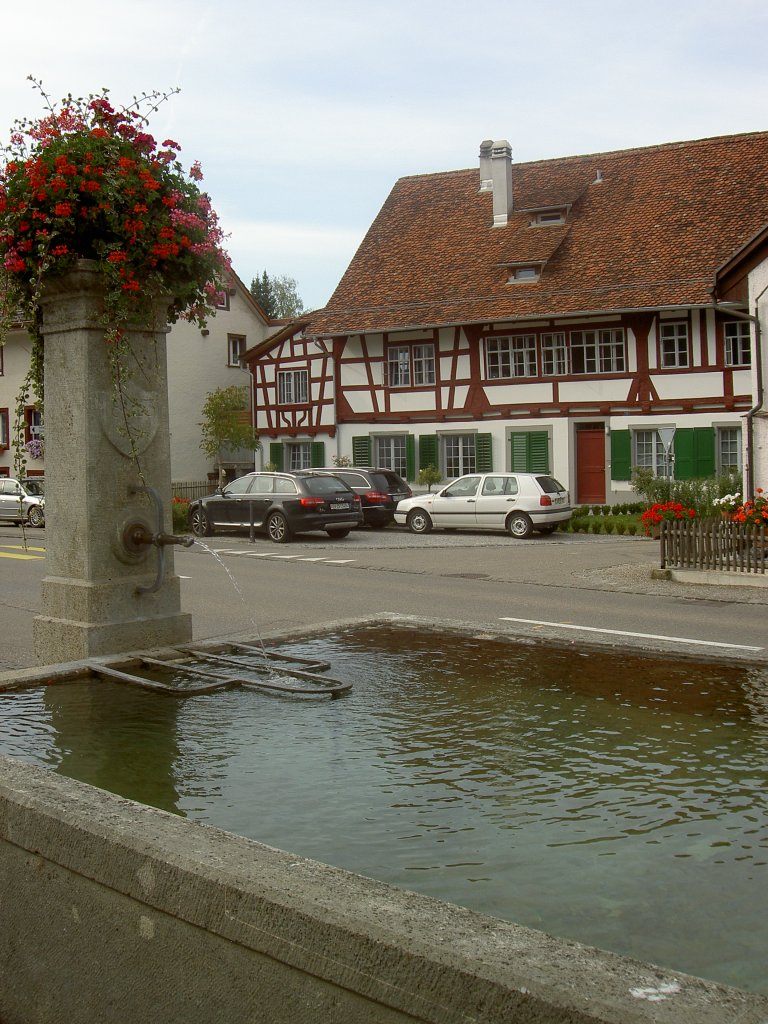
x,y
278,296
226,424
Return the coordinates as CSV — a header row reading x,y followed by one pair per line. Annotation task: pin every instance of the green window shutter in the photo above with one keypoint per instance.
x,y
484,453
276,454
529,451
694,452
317,454
428,454
410,457
361,451
538,445
621,455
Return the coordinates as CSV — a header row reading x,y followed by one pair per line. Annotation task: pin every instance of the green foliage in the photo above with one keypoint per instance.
x,y
180,515
341,461
226,423
278,296
271,467
596,526
699,493
621,527
429,476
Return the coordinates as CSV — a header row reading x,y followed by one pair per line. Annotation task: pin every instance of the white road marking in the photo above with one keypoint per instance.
x,y
624,632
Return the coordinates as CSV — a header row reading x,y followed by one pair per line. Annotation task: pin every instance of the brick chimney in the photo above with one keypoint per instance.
x,y
501,177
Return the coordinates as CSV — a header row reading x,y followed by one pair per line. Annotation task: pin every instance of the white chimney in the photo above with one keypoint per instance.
x,y
486,181
501,176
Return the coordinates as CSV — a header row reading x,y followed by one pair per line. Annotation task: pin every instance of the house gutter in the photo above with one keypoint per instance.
x,y
759,395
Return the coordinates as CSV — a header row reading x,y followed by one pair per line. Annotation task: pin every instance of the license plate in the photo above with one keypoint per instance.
x,y
339,505
558,501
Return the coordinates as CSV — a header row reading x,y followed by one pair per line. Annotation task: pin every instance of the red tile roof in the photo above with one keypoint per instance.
x,y
651,233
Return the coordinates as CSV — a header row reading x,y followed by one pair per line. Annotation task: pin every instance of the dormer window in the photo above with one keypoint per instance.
x,y
522,274
546,217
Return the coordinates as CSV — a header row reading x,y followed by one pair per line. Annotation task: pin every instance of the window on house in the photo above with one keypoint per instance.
x,y
511,357
554,355
738,343
597,351
729,450
523,274
390,453
459,454
649,453
544,217
33,422
293,387
222,300
674,346
2,371
299,455
235,349
410,364
5,429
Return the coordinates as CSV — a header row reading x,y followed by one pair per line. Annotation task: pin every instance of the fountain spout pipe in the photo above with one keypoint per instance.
x,y
136,536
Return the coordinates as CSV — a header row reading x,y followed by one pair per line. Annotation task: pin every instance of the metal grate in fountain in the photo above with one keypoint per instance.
x,y
191,679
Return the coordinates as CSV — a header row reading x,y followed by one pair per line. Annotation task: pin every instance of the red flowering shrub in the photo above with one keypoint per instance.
x,y
88,182
754,511
668,510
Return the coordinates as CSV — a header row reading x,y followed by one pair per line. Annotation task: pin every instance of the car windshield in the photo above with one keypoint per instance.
x,y
324,485
36,487
549,485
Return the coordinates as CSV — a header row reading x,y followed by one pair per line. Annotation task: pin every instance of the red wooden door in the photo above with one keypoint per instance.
x,y
590,466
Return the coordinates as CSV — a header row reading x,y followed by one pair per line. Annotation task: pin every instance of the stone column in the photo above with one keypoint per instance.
x,y
91,598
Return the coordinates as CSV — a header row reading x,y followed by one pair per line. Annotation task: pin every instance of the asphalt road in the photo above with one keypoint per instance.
x,y
590,588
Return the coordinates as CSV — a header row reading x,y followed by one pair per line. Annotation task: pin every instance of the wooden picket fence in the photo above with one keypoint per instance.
x,y
713,544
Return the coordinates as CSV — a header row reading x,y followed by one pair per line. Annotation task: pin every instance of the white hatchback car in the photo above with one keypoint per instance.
x,y
516,502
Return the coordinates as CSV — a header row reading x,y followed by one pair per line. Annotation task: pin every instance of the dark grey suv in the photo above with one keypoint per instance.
x,y
379,490
281,505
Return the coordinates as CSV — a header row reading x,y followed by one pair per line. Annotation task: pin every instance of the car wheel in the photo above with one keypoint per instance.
x,y
199,523
278,529
519,525
36,516
418,521
337,534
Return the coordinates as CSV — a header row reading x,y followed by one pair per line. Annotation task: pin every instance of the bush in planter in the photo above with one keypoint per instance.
x,y
631,529
621,528
180,515
596,526
608,526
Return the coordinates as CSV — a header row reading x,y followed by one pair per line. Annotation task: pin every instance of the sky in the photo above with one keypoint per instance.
x,y
304,113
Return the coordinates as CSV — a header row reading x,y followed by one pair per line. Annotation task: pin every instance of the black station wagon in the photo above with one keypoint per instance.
x,y
281,505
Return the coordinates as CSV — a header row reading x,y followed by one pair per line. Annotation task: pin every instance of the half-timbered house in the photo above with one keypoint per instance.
x,y
560,315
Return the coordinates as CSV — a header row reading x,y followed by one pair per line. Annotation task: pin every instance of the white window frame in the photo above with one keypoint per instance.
x,y
738,343
411,365
390,451
235,348
554,354
674,346
511,356
729,445
299,455
601,351
648,452
293,387
459,454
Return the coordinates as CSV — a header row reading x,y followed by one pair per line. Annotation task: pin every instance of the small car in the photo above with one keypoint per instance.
x,y
379,489
516,502
282,504
22,501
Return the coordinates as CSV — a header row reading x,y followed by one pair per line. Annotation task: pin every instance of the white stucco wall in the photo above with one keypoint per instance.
x,y
758,296
197,365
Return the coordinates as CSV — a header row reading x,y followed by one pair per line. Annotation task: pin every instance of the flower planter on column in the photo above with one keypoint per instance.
x,y
92,603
